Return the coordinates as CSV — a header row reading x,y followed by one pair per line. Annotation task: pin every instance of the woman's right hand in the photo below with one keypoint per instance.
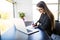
x,y
34,25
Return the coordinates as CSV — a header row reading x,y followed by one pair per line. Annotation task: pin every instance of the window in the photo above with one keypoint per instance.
x,y
6,9
59,10
6,12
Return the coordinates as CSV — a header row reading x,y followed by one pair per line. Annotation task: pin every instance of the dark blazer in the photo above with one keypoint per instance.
x,y
45,23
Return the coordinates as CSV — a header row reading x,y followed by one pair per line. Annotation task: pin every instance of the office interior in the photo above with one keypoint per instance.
x,y
12,27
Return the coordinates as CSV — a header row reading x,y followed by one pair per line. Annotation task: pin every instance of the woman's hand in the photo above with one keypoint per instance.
x,y
34,25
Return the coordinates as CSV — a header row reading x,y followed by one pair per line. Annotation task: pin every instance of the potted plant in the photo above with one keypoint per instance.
x,y
22,15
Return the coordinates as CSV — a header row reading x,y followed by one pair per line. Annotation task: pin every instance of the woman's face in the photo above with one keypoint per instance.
x,y
40,9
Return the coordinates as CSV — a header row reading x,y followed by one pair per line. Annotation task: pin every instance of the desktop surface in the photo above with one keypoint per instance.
x,y
41,35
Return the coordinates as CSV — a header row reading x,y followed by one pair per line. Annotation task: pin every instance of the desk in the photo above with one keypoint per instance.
x,y
41,35
17,35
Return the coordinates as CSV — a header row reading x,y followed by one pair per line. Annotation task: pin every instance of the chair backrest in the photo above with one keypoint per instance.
x,y
57,28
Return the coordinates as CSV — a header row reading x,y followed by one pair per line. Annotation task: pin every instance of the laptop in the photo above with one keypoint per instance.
x,y
20,25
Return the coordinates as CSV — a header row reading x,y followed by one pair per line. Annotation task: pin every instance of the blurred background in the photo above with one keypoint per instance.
x,y
10,9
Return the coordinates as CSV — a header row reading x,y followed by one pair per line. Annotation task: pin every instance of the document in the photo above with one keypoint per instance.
x,y
31,30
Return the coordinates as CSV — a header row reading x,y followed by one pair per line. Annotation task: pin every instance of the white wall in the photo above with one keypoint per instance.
x,y
24,6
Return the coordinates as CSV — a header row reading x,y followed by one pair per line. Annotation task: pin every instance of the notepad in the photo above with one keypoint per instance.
x,y
31,30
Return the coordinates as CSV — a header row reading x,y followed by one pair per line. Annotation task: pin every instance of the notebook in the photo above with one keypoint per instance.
x,y
31,30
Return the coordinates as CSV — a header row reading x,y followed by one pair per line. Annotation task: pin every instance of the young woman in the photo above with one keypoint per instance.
x,y
46,21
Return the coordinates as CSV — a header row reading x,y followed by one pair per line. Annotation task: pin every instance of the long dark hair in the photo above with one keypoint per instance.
x,y
43,5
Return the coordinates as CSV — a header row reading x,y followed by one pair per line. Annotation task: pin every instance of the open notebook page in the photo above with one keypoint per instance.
x,y
31,30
